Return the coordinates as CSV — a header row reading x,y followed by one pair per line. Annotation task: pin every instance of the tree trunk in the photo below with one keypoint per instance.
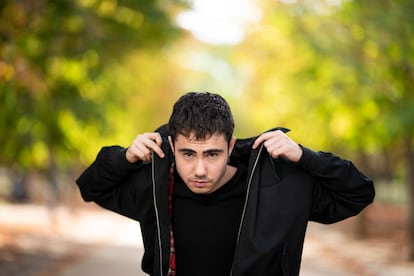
x,y
19,191
52,180
409,151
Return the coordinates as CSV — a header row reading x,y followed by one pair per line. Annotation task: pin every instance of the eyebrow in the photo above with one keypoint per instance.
x,y
204,152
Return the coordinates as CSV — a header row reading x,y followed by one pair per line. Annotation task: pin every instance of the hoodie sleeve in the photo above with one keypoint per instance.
x,y
115,184
341,190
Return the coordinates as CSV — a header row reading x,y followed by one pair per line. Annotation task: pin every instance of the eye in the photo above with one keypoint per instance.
x,y
213,155
188,155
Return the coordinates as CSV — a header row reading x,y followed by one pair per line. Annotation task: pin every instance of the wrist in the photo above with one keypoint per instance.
x,y
130,157
298,154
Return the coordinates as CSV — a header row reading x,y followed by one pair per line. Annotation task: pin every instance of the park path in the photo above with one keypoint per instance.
x,y
90,241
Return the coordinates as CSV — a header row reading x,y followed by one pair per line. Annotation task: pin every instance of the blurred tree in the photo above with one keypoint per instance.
x,y
388,63
341,73
351,72
57,87
365,55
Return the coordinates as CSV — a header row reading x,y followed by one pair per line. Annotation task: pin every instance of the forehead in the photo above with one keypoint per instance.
x,y
215,141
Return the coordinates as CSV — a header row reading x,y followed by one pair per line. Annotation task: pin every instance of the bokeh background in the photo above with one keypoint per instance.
x,y
76,75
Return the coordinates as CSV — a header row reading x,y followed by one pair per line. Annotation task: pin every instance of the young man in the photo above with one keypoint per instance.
x,y
209,204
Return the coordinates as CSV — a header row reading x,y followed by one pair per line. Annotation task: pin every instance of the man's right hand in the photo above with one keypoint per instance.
x,y
143,146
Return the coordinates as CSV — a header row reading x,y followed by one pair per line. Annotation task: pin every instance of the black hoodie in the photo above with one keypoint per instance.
x,y
282,196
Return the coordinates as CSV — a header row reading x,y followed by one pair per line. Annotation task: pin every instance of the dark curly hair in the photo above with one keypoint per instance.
x,y
201,114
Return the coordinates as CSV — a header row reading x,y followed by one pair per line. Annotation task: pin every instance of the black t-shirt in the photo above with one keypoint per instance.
x,y
205,226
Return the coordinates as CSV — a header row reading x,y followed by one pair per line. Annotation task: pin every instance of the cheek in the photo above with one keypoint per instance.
x,y
183,168
218,168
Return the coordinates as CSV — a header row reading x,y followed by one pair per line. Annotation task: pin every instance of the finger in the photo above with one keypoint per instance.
x,y
275,153
157,150
261,139
157,139
141,151
273,149
153,142
137,152
266,136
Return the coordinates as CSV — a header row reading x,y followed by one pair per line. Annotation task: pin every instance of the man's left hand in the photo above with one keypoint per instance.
x,y
278,144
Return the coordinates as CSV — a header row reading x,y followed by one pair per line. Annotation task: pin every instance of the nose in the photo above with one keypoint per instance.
x,y
200,168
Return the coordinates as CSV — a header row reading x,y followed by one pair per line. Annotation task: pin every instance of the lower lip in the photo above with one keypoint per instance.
x,y
200,184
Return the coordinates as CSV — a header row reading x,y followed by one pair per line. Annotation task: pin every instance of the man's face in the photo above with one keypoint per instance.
x,y
202,164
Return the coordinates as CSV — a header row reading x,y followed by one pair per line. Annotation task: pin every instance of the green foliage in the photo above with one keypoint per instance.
x,y
342,75
76,75
57,90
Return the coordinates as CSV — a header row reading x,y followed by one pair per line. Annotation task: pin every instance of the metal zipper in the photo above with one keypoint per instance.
x,y
246,200
156,212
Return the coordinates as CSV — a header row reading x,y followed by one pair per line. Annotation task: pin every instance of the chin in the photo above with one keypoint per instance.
x,y
200,191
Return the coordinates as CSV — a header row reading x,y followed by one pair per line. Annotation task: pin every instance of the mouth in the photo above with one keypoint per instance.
x,y
200,183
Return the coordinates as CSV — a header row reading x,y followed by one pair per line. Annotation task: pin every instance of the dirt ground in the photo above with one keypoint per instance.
x,y
86,240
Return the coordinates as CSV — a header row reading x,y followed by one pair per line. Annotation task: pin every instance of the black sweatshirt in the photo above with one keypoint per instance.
x,y
205,227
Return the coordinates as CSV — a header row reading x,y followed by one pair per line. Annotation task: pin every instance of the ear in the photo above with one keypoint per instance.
x,y
231,144
171,143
